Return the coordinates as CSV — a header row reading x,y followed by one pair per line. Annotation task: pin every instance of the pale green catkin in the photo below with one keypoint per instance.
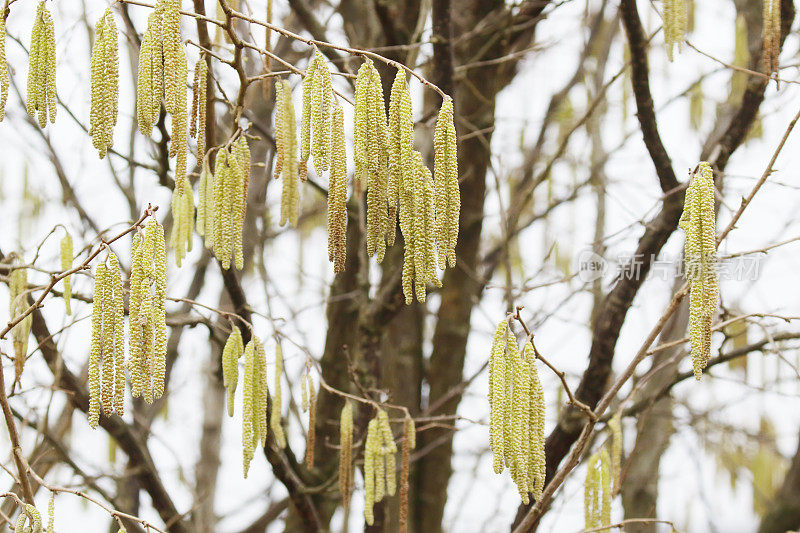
x,y
699,224
230,182
286,165
231,352
371,155
29,520
107,348
205,203
4,81
675,20
399,147
254,401
597,491
311,434
182,223
320,113
346,453
615,426
41,96
104,84
66,264
51,513
197,124
275,407
448,196
379,463
337,193
18,304
517,413
147,318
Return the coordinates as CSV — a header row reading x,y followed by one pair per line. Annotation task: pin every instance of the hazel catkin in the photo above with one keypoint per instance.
x,y
675,20
231,352
409,443
231,180
41,98
254,401
147,316
597,491
771,35
66,264
346,453
104,83
197,123
699,225
445,171
18,304
275,406
286,165
379,463
337,193
4,81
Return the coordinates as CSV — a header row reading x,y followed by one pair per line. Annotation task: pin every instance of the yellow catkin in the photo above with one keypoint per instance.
x,y
417,224
311,435
205,203
150,74
321,113
3,68
675,20
51,513
286,165
388,450
448,196
29,520
337,193
66,264
147,317
497,399
41,98
511,354
104,83
18,304
371,157
182,223
399,148
698,222
409,443
520,424
254,401
230,184
615,426
346,453
536,460
372,447
197,124
597,491
275,408
231,352
309,82
771,34
107,349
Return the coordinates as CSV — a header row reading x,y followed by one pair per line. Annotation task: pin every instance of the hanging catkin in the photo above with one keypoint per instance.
x,y
409,443
674,25
107,350
163,73
29,520
197,124
337,193
597,491
18,304
66,264
231,180
51,513
3,68
205,203
448,197
315,129
698,222
254,401
379,463
399,146
286,152
42,68
231,352
310,405
105,84
180,238
517,413
275,407
346,453
148,330
417,224
771,34
370,154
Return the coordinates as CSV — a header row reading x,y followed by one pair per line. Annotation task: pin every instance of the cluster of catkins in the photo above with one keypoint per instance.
x,y
17,305
675,20
386,166
42,70
107,351
147,315
255,392
698,222
379,463
603,478
222,202
771,16
29,520
517,412
105,84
